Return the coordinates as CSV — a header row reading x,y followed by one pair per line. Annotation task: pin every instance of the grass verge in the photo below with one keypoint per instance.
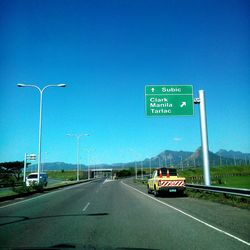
x,y
236,201
26,191
66,175
232,200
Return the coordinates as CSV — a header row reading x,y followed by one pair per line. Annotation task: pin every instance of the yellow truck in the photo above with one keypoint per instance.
x,y
166,180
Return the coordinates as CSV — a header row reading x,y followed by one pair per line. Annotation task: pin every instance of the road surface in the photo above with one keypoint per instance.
x,y
107,214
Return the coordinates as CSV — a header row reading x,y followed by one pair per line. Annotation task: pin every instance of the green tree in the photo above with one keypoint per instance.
x,y
8,169
123,173
139,172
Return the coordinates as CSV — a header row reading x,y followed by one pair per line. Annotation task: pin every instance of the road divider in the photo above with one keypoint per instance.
x,y
44,190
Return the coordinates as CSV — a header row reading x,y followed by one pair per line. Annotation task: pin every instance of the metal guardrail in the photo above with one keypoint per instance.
x,y
223,190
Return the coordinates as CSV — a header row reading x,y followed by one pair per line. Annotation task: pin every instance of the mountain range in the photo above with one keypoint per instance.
x,y
179,159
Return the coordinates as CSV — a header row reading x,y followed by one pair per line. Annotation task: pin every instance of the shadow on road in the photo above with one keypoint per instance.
x,y
25,218
172,195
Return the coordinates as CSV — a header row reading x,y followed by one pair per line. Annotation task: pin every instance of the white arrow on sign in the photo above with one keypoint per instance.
x,y
153,90
183,104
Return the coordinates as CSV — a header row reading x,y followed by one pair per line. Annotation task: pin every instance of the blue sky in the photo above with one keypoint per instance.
x,y
106,52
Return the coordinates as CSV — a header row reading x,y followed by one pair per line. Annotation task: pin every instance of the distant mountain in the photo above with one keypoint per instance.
x,y
184,159
170,158
57,166
233,154
196,159
179,159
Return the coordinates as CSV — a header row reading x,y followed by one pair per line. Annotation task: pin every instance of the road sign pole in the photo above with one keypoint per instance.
x,y
204,137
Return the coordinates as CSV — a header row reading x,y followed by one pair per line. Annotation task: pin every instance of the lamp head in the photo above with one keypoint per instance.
x,y
61,85
20,85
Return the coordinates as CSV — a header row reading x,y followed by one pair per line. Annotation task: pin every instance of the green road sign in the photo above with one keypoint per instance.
x,y
167,100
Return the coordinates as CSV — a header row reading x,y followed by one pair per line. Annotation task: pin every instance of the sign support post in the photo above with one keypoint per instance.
x,y
177,100
204,137
30,157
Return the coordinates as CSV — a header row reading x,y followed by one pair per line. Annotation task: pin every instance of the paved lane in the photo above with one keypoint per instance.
x,y
231,219
105,214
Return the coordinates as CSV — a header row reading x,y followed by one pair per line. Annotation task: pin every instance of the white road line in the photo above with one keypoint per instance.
x,y
85,208
107,180
40,196
190,216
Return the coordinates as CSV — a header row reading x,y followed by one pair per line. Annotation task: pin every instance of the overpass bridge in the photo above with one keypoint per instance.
x,y
101,172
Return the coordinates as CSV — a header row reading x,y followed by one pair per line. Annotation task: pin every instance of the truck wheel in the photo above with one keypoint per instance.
x,y
156,193
181,193
149,190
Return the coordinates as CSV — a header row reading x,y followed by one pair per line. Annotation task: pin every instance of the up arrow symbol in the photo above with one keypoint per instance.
x,y
183,104
153,90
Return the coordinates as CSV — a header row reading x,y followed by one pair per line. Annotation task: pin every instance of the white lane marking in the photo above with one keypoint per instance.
x,y
107,180
190,216
40,196
85,208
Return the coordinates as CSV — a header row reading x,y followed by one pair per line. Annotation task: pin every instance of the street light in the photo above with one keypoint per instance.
x,y
40,117
88,159
133,151
78,136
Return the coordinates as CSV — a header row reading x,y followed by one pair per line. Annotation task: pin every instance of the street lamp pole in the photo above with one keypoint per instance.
x,y
142,170
78,136
40,119
136,154
150,167
89,160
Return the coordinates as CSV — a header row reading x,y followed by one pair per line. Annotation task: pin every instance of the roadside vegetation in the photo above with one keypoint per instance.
x,y
66,175
228,176
236,201
127,173
11,179
11,173
22,189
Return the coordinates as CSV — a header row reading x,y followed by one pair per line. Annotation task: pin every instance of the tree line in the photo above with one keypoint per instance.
x,y
11,172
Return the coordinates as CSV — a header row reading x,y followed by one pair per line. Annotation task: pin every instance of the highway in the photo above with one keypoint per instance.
x,y
108,214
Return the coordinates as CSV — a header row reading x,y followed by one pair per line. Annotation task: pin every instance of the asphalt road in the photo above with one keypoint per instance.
x,y
120,215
